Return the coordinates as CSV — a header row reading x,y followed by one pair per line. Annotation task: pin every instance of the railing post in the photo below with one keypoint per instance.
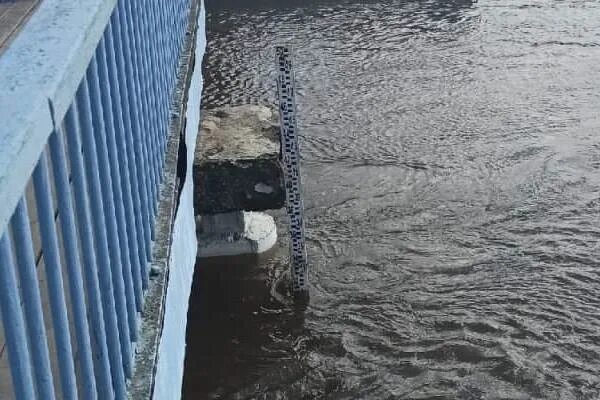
x,y
150,111
97,154
158,90
161,78
32,301
127,157
98,158
118,184
134,78
14,325
73,265
102,338
112,320
56,292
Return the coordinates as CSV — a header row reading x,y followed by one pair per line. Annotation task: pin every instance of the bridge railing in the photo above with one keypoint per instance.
x,y
85,93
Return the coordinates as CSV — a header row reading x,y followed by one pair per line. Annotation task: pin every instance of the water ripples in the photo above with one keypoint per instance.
x,y
451,162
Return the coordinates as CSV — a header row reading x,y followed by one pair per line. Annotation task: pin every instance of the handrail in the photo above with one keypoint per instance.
x,y
86,103
40,71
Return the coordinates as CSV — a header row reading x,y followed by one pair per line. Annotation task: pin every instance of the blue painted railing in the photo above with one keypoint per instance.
x,y
85,110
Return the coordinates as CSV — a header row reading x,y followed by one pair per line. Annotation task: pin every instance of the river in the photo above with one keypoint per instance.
x,y
451,171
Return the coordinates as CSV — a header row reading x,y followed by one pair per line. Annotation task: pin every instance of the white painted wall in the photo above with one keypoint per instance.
x,y
171,351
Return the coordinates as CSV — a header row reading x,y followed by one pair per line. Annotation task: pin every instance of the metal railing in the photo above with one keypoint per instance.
x,y
85,93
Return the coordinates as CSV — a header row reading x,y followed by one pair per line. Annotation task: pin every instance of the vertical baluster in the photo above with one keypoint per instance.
x,y
177,42
133,82
75,278
150,114
170,48
107,190
127,154
137,69
175,39
155,36
14,325
171,68
126,162
180,18
170,23
186,7
56,292
143,39
160,73
116,322
181,14
91,267
185,10
107,155
160,48
32,302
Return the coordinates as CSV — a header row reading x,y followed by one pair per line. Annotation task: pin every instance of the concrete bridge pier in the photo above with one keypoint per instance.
x,y
234,233
237,174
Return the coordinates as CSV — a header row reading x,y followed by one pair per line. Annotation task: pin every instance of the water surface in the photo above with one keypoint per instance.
x,y
451,166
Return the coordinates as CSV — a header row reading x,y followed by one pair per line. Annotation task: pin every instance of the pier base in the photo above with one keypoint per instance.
x,y
235,233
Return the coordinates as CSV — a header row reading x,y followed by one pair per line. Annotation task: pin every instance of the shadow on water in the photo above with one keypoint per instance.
x,y
238,331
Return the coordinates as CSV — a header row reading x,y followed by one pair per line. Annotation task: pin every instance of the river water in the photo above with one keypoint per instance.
x,y
451,166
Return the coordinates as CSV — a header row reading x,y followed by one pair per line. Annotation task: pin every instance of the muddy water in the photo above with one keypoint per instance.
x,y
451,161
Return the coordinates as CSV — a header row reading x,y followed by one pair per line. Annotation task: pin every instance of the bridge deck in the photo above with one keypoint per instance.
x,y
13,14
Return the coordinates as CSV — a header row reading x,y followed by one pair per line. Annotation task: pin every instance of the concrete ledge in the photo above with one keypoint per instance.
x,y
146,356
236,165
